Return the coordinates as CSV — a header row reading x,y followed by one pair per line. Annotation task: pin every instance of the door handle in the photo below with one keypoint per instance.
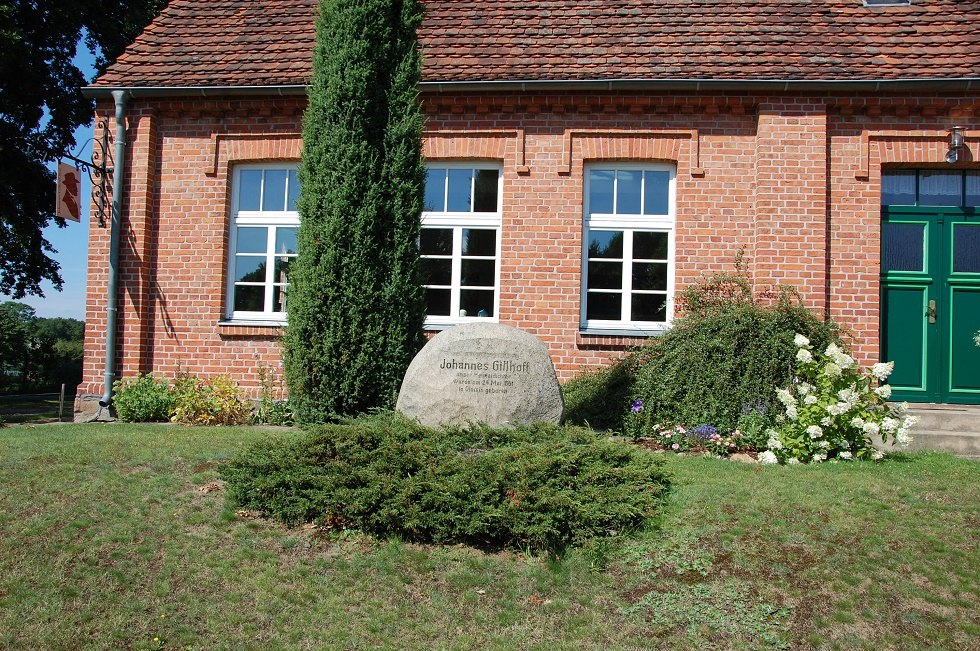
x,y
931,312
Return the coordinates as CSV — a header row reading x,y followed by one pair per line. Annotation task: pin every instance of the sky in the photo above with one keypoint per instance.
x,y
71,242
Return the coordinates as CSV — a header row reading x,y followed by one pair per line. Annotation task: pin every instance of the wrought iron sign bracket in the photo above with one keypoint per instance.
x,y
98,169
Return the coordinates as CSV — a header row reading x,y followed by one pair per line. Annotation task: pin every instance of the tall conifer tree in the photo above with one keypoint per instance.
x,y
356,306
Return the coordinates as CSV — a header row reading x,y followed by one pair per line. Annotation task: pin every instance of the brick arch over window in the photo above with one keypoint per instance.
x,y
228,149
483,144
680,145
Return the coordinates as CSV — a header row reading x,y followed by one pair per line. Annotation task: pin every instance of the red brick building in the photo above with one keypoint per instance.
x,y
587,160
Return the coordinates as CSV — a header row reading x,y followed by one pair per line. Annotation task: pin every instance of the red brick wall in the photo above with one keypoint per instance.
x,y
793,182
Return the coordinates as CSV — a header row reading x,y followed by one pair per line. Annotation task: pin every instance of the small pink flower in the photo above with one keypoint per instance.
x,y
675,446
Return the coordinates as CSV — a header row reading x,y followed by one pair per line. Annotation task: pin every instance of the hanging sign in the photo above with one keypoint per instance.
x,y
68,201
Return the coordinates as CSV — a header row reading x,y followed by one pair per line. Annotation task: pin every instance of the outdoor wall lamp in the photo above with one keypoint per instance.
x,y
957,143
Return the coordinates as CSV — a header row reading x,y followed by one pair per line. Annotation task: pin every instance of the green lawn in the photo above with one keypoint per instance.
x,y
107,541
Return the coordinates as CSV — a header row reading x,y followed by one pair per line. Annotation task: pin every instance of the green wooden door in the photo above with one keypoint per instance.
x,y
930,285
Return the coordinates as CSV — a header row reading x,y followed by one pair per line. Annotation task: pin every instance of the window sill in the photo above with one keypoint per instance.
x,y
250,328
603,338
445,325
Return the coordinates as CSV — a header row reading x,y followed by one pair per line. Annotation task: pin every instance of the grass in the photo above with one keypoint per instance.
x,y
107,541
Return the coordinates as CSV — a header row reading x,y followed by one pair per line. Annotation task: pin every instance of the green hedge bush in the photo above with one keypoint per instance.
x,y
541,487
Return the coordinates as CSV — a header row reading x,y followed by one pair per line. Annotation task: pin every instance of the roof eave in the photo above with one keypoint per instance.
x,y
689,85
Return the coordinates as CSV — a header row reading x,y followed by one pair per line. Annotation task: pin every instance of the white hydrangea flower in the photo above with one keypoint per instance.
x,y
802,341
773,443
768,457
826,421
909,421
785,397
793,462
837,409
889,425
791,412
870,428
810,400
824,444
877,455
815,431
832,369
820,456
844,361
804,355
885,391
857,421
804,388
849,397
903,438
832,350
882,370
901,408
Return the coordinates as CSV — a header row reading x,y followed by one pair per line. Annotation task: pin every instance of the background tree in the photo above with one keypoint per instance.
x,y
356,306
38,354
41,105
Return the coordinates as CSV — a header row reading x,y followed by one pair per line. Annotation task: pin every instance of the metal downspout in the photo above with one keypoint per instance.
x,y
118,178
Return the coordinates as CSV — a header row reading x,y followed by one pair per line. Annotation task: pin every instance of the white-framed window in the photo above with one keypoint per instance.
x,y
264,226
459,243
628,252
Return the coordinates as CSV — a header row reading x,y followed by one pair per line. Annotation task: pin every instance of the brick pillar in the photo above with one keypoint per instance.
x,y
791,200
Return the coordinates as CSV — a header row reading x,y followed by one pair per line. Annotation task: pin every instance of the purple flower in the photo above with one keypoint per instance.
x,y
704,431
637,406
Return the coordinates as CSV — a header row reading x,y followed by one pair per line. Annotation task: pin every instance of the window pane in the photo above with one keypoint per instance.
x,y
436,241
656,193
293,195
476,302
902,247
249,269
435,190
479,241
605,306
650,275
437,271
251,240
274,190
649,307
628,189
973,190
485,191
478,273
605,275
249,298
278,298
966,248
286,239
650,246
281,272
601,191
940,189
459,191
249,189
898,188
605,244
437,302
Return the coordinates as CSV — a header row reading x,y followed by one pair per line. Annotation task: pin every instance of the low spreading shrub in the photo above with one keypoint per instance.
x,y
542,487
142,399
833,408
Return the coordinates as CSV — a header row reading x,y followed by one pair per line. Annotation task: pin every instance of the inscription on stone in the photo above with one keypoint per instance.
x,y
481,373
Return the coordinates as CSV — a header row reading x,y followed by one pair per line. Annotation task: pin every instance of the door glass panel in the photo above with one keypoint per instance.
x,y
973,189
902,247
898,188
940,188
966,248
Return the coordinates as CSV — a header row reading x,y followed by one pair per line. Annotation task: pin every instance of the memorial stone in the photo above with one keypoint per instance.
x,y
481,373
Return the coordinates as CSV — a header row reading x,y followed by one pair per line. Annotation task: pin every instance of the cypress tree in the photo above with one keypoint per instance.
x,y
356,307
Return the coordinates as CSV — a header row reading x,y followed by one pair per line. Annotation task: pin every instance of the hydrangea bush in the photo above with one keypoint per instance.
x,y
833,409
